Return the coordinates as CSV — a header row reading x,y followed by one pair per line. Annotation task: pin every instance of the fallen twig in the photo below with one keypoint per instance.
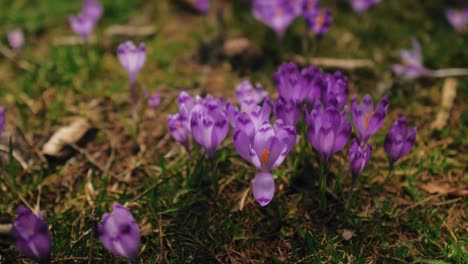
x,y
17,157
347,64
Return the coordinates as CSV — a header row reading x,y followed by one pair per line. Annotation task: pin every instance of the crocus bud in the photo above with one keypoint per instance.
x,y
360,6
277,14
263,188
359,156
119,233
32,236
16,38
82,25
132,58
399,140
2,120
457,18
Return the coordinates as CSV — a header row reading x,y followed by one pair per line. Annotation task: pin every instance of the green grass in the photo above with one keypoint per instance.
x,y
189,212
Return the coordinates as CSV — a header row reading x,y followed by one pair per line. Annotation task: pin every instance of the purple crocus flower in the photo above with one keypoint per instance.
x,y
277,14
319,21
299,86
252,117
399,140
92,9
327,130
32,236
359,6
2,120
179,124
336,90
309,6
269,147
82,25
132,58
366,120
359,156
16,38
246,91
119,233
202,6
457,18
412,66
209,125
154,98
263,188
287,111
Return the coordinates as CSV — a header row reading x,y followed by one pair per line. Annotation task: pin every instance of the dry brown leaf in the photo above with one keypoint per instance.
x,y
449,92
347,234
68,135
443,188
236,47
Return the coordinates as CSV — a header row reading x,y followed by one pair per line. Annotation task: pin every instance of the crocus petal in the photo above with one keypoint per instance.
x,y
263,188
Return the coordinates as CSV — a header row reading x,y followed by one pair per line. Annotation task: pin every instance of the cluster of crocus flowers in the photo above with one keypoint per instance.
x,y
84,23
119,233
279,14
16,38
360,6
204,120
458,18
412,66
32,236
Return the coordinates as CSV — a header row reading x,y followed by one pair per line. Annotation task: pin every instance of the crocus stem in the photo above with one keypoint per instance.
x,y
350,193
387,178
450,72
133,96
323,185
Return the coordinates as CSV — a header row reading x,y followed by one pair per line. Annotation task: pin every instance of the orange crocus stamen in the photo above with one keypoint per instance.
x,y
320,20
366,122
177,125
265,154
279,11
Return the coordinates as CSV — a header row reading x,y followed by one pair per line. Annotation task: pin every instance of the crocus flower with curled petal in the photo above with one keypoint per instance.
x,y
119,233
209,125
132,58
366,120
287,111
327,130
154,98
246,91
178,129
32,236
358,156
269,147
92,9
412,66
277,14
318,20
2,120
360,6
457,18
16,38
82,25
399,140
335,90
263,188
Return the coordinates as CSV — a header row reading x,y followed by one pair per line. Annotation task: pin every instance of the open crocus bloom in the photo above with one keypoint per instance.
x,y
457,18
269,147
82,25
277,14
251,117
119,233
319,21
132,58
366,120
412,66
